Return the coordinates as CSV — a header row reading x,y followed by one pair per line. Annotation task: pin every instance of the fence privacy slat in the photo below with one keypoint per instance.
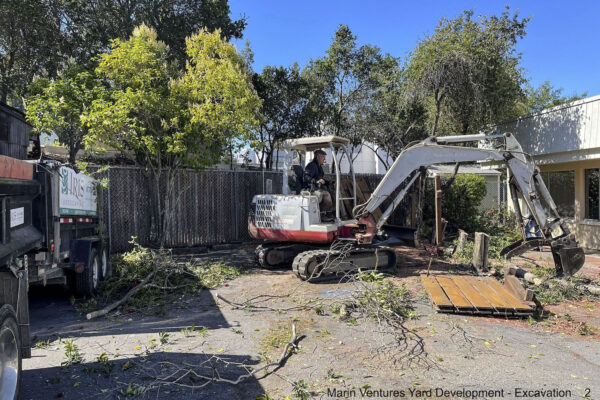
x,y
209,207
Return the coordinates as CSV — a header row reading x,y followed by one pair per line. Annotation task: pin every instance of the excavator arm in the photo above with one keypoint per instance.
x,y
525,181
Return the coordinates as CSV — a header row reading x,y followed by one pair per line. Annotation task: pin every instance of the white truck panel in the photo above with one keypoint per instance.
x,y
77,193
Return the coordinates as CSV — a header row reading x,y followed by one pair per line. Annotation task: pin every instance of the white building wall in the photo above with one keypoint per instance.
x,y
553,134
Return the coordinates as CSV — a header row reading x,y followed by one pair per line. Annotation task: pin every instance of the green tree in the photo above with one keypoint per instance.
x,y
284,95
341,81
57,106
31,43
544,96
168,118
467,72
92,24
41,38
390,120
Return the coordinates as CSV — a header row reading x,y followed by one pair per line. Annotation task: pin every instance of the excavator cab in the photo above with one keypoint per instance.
x,y
338,148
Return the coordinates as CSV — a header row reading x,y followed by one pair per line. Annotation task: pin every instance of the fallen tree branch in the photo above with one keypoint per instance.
x,y
247,305
217,379
595,290
110,307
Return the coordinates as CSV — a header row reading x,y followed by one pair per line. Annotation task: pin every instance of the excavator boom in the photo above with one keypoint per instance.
x,y
525,182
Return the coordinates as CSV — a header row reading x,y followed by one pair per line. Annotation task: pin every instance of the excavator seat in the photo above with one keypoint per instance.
x,y
299,172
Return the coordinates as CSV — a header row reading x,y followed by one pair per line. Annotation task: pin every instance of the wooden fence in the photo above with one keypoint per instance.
x,y
212,206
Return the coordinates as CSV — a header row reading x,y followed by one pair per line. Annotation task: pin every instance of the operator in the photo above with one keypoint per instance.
x,y
313,174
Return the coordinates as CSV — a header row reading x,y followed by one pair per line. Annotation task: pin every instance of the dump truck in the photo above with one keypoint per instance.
x,y
49,234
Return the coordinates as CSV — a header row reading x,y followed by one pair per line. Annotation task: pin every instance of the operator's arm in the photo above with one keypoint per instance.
x,y
311,174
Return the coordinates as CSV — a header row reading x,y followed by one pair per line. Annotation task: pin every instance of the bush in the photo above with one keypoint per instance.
x,y
460,202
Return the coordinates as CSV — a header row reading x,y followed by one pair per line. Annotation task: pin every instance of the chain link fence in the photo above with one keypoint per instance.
x,y
210,207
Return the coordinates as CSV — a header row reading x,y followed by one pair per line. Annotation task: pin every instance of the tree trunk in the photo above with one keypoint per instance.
x,y
156,225
438,104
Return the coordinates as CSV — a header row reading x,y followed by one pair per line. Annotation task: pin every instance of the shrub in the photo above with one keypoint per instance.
x,y
460,202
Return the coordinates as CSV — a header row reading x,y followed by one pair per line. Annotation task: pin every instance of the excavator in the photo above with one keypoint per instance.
x,y
294,232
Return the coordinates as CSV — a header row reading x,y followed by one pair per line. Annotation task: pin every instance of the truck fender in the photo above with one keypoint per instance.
x,y
81,249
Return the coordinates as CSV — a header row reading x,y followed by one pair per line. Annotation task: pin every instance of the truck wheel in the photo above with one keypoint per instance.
x,y
86,282
10,354
106,267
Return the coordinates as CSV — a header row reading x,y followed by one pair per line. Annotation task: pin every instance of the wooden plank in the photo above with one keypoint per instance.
x,y
514,286
363,188
435,292
346,191
360,196
498,302
471,293
453,292
506,295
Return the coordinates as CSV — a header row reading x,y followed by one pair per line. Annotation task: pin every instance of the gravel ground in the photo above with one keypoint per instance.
x,y
123,356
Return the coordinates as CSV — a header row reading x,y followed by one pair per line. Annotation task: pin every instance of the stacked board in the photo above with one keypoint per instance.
x,y
464,294
363,193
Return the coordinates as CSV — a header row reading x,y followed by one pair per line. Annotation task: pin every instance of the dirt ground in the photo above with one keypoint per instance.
x,y
432,356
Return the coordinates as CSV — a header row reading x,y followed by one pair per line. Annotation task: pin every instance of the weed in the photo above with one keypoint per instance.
x,y
319,310
72,354
543,271
42,344
163,337
324,333
332,376
133,390
585,330
300,390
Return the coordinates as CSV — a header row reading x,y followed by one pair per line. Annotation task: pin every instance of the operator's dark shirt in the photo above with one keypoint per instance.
x,y
313,171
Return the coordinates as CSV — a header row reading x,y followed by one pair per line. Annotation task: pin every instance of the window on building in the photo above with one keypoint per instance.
x,y
592,193
561,185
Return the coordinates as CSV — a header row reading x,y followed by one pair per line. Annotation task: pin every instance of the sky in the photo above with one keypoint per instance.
x,y
562,44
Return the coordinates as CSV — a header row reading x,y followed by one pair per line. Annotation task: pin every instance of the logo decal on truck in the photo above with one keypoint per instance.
x,y
77,193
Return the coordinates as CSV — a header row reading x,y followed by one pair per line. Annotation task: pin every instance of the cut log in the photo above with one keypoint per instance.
x,y
462,240
480,252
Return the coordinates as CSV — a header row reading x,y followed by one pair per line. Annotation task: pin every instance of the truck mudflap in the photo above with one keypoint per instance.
x,y
568,256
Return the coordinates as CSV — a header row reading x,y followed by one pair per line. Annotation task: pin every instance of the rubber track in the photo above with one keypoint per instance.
x,y
302,261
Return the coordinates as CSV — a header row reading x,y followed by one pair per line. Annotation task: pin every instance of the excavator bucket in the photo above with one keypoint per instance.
x,y
568,260
568,256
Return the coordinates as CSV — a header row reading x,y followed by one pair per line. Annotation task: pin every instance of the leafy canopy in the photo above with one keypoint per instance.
x,y
467,72
284,94
168,117
58,106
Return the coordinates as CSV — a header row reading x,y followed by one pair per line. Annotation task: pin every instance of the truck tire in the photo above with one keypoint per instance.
x,y
86,282
105,265
10,356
